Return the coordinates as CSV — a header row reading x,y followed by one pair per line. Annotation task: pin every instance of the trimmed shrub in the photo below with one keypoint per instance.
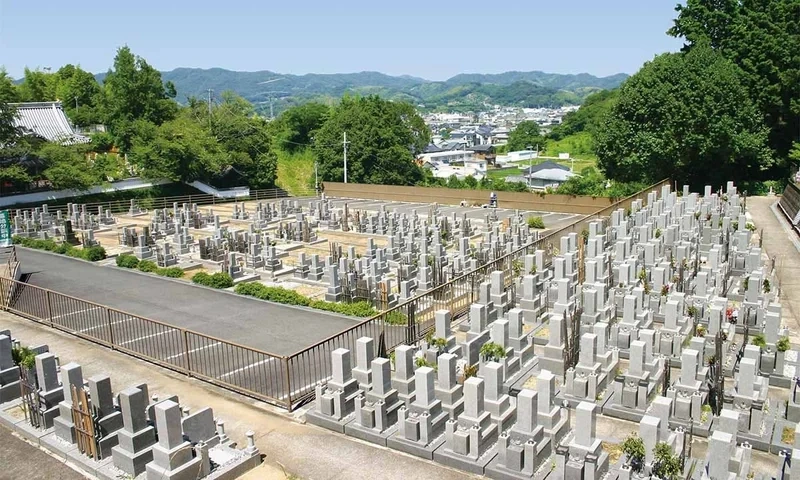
x,y
171,272
217,280
290,297
92,254
127,260
395,317
536,222
272,294
147,266
357,309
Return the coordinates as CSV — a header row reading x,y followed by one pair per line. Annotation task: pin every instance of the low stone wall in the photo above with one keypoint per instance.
x,y
790,203
582,205
50,195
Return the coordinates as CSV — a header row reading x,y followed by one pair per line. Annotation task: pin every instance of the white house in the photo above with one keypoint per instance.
x,y
544,175
447,157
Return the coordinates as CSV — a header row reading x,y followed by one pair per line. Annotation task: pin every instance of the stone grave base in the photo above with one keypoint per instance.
x,y
559,432
283,271
445,457
397,442
497,472
12,418
88,465
514,383
325,421
573,401
233,463
57,446
554,365
780,381
699,429
353,429
622,412
514,388
246,277
777,443
759,442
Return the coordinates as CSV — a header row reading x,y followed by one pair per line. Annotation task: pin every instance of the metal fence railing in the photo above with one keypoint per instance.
x,y
121,206
236,367
286,381
454,296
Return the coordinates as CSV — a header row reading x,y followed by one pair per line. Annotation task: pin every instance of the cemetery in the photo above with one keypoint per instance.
x,y
380,253
665,314
133,433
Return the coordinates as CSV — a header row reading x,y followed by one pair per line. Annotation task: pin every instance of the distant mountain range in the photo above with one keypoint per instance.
x,y
460,93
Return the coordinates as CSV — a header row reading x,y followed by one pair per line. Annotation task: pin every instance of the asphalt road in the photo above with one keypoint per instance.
x,y
23,460
274,328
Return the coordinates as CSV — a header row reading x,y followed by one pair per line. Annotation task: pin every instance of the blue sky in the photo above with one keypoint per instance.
x,y
430,39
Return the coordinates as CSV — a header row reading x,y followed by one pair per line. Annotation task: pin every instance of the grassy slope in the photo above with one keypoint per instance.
x,y
296,172
578,145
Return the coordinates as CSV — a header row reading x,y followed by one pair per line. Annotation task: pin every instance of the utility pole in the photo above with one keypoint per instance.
x,y
76,103
316,179
530,164
271,113
345,142
210,91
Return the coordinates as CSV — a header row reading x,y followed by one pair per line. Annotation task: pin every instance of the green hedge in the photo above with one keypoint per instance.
x,y
147,266
290,297
92,254
217,280
535,222
272,294
127,260
171,272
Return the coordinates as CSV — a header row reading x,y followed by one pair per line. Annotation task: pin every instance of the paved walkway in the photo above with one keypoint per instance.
x,y
22,460
271,327
782,243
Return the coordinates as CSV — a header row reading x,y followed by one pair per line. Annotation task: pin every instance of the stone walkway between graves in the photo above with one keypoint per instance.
x,y
782,243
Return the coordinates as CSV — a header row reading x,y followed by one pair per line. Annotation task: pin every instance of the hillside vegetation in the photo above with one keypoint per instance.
x,y
460,93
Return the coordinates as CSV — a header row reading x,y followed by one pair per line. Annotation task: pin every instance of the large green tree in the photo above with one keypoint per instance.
x,y
66,167
526,134
688,117
8,94
295,126
179,150
588,117
384,138
80,93
246,137
38,86
134,91
763,38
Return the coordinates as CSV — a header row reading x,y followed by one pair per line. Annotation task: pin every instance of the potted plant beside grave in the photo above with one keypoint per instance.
x,y
633,448
781,347
666,464
492,352
25,359
759,341
435,348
